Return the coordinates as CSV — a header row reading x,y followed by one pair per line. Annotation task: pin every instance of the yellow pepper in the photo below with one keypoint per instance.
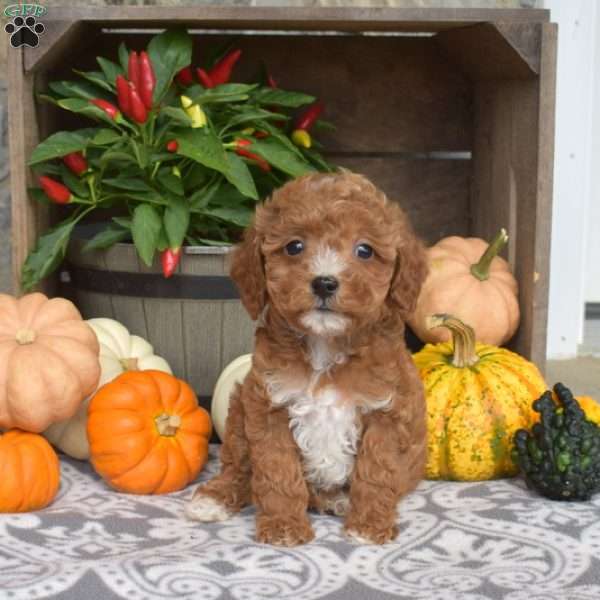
x,y
194,112
302,138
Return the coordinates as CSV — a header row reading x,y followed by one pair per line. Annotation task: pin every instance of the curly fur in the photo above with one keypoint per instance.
x,y
332,414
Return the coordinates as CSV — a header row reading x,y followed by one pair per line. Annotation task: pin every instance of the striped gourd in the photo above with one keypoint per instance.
x,y
477,397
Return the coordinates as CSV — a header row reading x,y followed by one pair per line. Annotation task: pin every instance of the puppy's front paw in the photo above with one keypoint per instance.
x,y
206,509
367,534
279,531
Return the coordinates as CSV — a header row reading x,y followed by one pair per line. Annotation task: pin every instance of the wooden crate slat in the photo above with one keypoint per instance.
x,y
434,193
486,52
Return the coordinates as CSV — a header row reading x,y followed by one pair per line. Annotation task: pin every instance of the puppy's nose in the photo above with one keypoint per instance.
x,y
325,286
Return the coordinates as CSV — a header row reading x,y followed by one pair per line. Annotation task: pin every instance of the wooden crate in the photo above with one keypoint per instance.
x,y
450,111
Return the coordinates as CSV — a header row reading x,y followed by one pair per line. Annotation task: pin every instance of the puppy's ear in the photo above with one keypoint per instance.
x,y
411,271
247,271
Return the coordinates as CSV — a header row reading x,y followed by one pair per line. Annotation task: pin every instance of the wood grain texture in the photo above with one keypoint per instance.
x,y
434,193
28,219
512,167
490,51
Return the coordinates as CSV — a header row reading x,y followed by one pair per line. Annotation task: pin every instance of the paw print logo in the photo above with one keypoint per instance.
x,y
24,32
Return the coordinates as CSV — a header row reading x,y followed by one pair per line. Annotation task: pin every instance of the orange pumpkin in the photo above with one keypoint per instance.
x,y
48,361
468,280
30,472
147,434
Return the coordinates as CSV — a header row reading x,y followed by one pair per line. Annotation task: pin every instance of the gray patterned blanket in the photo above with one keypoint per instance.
x,y
458,541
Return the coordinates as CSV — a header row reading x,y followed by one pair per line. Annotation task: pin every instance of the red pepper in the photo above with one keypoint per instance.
x,y
55,190
172,146
271,81
110,109
308,116
185,77
205,79
138,111
221,72
123,95
133,69
147,80
169,259
259,135
241,150
76,162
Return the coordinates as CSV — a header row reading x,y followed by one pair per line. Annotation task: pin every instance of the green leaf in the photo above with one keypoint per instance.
x,y
106,238
177,114
227,92
47,254
123,57
119,158
170,182
105,137
124,222
110,69
57,145
84,107
279,97
80,89
239,175
145,230
320,163
39,196
176,221
96,77
281,157
203,146
75,184
252,115
202,197
169,52
123,183
238,215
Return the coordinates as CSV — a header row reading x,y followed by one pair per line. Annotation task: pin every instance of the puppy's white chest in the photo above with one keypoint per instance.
x,y
326,429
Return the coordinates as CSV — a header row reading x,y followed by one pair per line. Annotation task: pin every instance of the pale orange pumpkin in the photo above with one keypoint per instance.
x,y
147,434
469,280
48,361
29,472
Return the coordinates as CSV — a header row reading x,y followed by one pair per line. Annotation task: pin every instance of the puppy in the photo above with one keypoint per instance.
x,y
332,414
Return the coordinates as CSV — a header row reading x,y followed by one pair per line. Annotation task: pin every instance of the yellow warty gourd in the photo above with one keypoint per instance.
x,y
477,397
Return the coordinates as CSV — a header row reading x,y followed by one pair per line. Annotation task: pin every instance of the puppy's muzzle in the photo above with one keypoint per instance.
x,y
324,286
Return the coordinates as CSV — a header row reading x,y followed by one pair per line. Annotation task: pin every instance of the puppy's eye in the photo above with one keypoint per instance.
x,y
363,251
294,247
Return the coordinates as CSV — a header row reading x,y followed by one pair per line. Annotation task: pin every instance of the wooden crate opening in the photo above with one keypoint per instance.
x,y
449,111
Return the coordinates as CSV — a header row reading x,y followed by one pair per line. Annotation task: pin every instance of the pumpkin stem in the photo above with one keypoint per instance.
x,y
463,339
167,424
130,364
25,336
481,270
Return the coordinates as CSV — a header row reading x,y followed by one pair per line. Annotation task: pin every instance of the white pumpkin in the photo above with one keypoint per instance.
x,y
119,352
234,372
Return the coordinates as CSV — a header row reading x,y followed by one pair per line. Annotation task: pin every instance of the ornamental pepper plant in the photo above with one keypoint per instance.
x,y
176,154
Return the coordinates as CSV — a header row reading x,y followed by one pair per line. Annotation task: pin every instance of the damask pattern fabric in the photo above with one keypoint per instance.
x,y
458,541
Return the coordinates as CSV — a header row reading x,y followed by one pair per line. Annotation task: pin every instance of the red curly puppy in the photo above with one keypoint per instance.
x,y
332,414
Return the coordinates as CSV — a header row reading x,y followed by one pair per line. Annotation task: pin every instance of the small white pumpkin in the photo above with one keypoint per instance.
x,y
119,352
234,372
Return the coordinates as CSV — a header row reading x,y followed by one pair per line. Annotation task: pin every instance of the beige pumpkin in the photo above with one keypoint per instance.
x,y
234,372
469,280
48,361
119,352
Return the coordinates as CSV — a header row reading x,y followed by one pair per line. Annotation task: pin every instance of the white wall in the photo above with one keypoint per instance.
x,y
572,171
592,265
